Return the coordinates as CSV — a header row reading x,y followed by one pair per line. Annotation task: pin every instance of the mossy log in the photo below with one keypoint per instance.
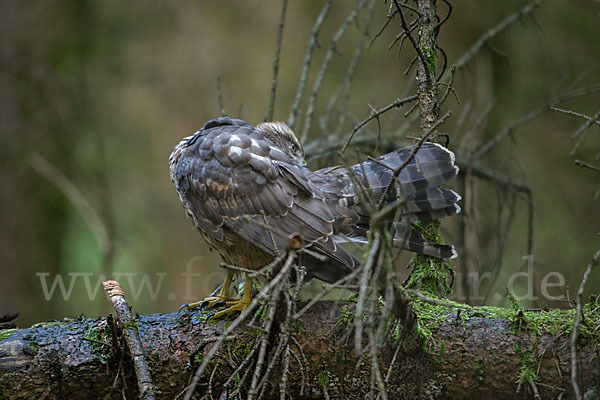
x,y
472,354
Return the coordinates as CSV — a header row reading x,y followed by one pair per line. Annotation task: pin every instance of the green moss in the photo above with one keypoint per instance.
x,y
346,315
528,358
236,381
261,312
242,350
397,330
323,378
430,275
430,230
441,351
430,58
6,333
132,324
536,323
206,315
102,349
429,317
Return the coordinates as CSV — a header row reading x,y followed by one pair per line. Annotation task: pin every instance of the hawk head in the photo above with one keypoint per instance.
x,y
284,138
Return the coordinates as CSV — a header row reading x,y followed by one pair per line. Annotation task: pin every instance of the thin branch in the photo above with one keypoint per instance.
x,y
376,114
502,25
352,67
402,35
81,204
327,289
582,131
364,283
576,114
586,165
380,31
314,34
132,338
536,112
259,297
413,42
324,66
504,181
276,60
449,88
578,316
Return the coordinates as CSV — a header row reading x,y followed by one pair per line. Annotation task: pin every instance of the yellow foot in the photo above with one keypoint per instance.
x,y
234,305
209,302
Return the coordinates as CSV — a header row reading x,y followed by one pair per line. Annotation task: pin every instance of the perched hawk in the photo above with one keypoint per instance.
x,y
248,190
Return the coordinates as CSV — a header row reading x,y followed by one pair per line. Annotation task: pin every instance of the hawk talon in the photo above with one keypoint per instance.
x,y
239,304
209,302
236,305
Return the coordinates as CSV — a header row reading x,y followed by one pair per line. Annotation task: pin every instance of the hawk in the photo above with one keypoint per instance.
x,y
248,191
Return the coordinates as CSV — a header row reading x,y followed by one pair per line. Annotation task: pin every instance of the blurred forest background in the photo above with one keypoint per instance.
x,y
95,94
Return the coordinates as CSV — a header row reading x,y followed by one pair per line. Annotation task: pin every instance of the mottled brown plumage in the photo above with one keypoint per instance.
x,y
248,190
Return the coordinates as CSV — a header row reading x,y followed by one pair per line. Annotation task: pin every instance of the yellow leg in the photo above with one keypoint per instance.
x,y
240,304
221,296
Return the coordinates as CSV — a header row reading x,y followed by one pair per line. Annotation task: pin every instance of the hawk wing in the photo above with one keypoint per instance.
x,y
228,175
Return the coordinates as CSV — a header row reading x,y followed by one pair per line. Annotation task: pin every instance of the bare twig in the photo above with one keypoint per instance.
x,y
501,26
276,60
253,392
576,114
376,114
352,67
578,316
402,35
306,64
81,204
412,40
132,338
283,273
326,290
580,133
537,111
362,294
380,31
324,66
586,165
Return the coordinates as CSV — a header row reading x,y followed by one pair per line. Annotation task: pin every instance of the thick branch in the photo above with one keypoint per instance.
x,y
471,354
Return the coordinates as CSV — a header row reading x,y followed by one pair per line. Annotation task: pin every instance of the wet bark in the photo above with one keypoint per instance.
x,y
465,358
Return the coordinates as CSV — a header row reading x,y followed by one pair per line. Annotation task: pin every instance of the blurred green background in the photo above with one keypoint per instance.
x,y
95,94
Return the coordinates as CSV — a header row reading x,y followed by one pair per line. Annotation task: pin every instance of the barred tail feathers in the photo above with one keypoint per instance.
x,y
409,239
431,166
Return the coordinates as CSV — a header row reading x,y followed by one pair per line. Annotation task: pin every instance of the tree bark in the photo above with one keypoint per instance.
x,y
469,355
